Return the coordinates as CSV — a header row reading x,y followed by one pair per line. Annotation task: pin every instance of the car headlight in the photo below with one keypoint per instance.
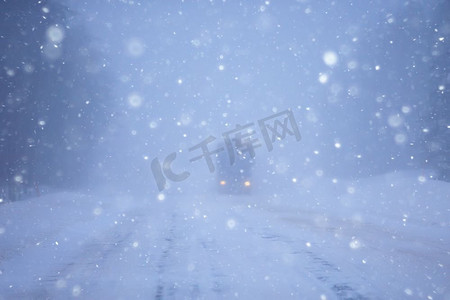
x,y
223,182
247,183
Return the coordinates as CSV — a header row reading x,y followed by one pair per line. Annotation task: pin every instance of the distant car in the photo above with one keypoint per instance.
x,y
234,178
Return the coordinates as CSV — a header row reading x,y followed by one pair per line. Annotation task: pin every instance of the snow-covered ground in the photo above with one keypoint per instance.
x,y
385,237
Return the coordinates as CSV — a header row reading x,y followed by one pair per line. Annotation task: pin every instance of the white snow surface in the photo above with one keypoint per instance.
x,y
385,237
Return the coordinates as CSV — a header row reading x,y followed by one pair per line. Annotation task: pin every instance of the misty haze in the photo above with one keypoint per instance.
x,y
224,149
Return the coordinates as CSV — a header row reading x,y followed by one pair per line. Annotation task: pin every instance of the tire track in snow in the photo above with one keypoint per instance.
x,y
162,265
321,268
203,249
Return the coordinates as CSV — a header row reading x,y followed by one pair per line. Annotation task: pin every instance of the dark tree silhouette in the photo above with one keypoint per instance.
x,y
51,116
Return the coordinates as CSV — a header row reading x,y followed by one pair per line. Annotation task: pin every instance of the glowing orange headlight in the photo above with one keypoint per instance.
x,y
223,182
247,183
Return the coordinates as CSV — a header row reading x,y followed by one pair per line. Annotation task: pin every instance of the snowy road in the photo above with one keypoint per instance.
x,y
123,122
209,247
